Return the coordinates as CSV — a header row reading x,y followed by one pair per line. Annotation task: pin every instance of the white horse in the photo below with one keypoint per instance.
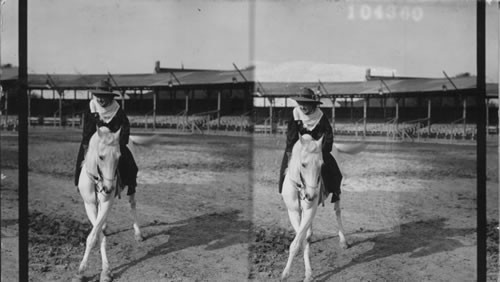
x,y
302,190
98,187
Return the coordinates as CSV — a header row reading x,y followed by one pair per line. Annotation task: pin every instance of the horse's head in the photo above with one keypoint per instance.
x,y
311,160
107,155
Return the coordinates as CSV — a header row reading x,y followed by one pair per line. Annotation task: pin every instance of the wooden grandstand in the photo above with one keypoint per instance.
x,y
201,101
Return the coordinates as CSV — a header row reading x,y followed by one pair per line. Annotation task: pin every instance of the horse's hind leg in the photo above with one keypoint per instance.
x,y
338,215
137,231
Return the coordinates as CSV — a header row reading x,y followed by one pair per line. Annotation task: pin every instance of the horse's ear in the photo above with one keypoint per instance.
x,y
117,133
320,141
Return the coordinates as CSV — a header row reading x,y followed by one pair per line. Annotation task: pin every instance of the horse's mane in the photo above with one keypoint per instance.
x,y
92,155
294,164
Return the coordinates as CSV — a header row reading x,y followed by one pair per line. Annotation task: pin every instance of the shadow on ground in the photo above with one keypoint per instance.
x,y
215,230
419,238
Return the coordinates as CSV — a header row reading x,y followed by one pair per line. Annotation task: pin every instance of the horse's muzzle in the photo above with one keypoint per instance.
x,y
309,196
107,190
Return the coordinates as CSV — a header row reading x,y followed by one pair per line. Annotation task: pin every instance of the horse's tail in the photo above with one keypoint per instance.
x,y
143,140
351,149
135,140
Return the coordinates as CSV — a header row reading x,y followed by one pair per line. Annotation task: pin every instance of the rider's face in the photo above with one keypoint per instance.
x,y
104,101
307,108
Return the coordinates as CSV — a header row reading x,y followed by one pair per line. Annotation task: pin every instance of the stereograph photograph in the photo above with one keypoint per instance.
x,y
238,140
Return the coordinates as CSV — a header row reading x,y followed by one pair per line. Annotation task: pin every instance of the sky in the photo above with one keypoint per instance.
x,y
287,40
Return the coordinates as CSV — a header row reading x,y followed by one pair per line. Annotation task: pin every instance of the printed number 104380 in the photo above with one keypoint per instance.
x,y
389,12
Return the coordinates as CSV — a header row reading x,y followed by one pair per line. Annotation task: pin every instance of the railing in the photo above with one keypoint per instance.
x,y
449,131
264,127
73,120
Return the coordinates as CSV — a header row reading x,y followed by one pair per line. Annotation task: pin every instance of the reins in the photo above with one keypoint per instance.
x,y
301,186
98,179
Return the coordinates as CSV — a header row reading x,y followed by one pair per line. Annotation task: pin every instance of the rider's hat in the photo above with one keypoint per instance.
x,y
307,96
103,89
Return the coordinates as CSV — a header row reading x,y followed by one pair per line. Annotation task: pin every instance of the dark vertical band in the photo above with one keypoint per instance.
x,y
481,141
22,105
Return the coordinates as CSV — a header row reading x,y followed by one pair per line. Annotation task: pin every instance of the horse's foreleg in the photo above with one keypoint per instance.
x,y
91,210
305,224
291,200
307,260
98,218
105,274
137,231
338,215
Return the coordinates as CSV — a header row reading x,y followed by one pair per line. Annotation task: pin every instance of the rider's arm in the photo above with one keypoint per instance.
x,y
328,137
292,135
125,129
89,127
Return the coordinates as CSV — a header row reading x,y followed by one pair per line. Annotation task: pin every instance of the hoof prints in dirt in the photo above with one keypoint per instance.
x,y
55,242
269,251
492,247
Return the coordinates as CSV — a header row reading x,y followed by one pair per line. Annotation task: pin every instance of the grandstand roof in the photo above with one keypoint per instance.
x,y
361,89
205,78
136,81
89,81
8,73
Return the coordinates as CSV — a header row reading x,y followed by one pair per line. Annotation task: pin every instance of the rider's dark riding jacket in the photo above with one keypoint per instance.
x,y
330,172
127,167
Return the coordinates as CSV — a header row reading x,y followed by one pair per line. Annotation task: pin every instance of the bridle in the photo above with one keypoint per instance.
x,y
99,178
301,186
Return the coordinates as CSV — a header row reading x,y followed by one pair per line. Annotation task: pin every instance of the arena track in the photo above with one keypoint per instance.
x,y
210,211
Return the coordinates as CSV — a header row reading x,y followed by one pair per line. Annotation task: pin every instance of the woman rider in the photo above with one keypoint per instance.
x,y
105,111
309,119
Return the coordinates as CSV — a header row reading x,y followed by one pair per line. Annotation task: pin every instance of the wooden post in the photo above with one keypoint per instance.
x,y
464,114
429,115
154,109
6,93
271,115
60,106
384,102
397,112
352,105
364,116
218,108
333,114
397,109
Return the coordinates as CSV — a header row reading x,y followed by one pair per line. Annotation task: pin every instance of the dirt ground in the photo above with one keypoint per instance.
x,y
210,211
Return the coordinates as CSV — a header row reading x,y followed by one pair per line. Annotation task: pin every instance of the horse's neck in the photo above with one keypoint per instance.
x,y
90,161
294,164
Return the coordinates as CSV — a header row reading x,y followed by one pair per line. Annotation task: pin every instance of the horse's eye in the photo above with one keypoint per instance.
x,y
101,158
303,164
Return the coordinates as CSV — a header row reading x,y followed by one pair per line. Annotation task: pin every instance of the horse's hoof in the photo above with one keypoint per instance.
x,y
344,245
105,277
139,238
78,278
